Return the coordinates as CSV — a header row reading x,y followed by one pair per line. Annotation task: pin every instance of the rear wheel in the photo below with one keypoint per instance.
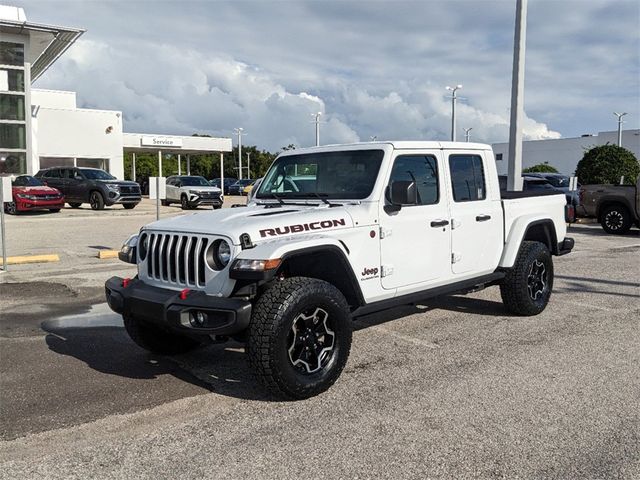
x,y
96,201
527,286
299,337
156,340
75,205
54,210
10,208
615,219
164,203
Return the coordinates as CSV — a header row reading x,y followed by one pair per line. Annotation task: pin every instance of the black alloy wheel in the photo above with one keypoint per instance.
x,y
311,341
616,220
96,201
10,208
184,202
537,281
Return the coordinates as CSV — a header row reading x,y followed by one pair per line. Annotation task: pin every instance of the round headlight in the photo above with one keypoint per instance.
x,y
218,255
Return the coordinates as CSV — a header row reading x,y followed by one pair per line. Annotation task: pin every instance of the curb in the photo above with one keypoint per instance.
x,y
24,259
106,254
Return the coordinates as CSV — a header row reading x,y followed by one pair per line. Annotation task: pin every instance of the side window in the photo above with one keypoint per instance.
x,y
422,169
53,173
467,178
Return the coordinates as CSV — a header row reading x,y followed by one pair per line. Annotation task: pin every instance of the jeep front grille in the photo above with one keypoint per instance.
x,y
177,259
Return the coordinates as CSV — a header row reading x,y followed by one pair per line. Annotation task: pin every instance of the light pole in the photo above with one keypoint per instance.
x,y
467,134
373,138
317,122
249,165
239,131
453,110
620,122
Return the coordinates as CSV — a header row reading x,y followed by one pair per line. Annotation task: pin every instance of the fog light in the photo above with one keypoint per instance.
x,y
198,319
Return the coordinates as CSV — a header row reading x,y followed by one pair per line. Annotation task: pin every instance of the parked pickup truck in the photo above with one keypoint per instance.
x,y
617,207
387,224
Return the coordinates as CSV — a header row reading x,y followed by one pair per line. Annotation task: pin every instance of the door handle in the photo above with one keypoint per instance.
x,y
483,218
439,223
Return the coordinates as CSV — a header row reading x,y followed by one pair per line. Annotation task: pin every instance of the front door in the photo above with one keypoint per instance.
x,y
476,215
415,240
173,189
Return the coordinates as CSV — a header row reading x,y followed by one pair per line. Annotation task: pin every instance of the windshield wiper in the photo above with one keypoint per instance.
x,y
320,196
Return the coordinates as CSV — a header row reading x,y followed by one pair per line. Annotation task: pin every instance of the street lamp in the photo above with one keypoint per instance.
x,y
453,110
239,131
620,122
467,134
249,165
317,122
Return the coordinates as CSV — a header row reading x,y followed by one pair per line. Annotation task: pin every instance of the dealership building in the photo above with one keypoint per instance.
x,y
44,128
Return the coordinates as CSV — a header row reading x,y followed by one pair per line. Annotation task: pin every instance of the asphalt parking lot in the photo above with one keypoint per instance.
x,y
455,388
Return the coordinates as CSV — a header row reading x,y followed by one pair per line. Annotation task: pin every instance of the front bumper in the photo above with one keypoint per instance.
x,y
196,200
165,308
114,197
25,204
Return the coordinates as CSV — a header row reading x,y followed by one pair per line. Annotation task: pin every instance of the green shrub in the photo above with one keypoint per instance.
x,y
541,168
606,164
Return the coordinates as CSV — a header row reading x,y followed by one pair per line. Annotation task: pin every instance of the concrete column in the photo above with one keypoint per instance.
x,y
514,176
179,167
133,166
188,164
159,163
222,172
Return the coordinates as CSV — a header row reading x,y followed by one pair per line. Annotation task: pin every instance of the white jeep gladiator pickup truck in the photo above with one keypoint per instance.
x,y
334,233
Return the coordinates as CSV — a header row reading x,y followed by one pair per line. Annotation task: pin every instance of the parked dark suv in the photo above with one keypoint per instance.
x,y
91,185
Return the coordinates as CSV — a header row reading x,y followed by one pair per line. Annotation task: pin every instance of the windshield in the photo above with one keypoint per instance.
x,y
27,181
558,180
194,182
346,175
92,174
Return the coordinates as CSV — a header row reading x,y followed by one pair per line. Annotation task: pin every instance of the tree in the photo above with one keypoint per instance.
x,y
541,168
606,164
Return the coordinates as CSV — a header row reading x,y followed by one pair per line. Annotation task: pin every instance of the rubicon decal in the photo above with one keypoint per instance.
x,y
302,227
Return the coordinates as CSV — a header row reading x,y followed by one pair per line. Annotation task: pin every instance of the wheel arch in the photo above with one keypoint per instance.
x,y
540,230
607,202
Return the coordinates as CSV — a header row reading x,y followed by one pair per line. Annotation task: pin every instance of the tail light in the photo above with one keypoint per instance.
x,y
569,213
581,196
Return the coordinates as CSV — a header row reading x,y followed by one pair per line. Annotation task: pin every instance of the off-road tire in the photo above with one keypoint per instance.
x,y
615,219
156,340
514,287
271,322
129,206
184,203
96,200
75,205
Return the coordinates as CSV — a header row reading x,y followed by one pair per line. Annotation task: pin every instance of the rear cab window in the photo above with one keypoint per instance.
x,y
467,178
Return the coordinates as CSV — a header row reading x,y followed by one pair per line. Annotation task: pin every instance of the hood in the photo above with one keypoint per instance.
x,y
259,222
37,190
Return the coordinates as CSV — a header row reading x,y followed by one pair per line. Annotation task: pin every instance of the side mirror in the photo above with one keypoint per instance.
x,y
403,192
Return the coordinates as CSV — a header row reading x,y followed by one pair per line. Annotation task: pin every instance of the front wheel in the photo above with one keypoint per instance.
x,y
184,202
96,201
54,210
299,337
156,340
527,286
129,206
615,220
11,208
75,205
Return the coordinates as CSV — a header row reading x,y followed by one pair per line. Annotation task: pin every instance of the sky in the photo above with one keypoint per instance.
x,y
373,68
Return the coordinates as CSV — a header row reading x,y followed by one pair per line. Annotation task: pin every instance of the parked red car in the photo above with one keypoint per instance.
x,y
29,193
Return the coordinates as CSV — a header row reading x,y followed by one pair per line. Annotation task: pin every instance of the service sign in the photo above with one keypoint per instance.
x,y
152,141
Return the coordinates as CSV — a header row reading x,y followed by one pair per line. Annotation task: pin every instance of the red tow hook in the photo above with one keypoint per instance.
x,y
184,293
126,282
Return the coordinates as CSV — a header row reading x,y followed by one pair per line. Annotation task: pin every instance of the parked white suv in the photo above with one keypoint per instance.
x,y
334,233
191,191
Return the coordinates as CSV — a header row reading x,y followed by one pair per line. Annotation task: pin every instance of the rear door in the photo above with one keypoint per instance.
x,y
53,178
173,189
476,214
75,185
415,240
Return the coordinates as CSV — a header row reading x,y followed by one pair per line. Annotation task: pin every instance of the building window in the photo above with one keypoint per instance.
x,y
13,121
11,80
467,178
12,54
498,156
13,162
12,107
